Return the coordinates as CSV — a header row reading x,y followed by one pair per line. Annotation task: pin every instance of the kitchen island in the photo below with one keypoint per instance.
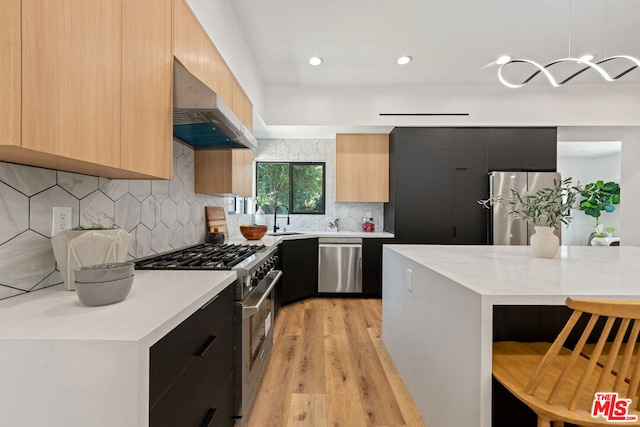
x,y
63,364
438,305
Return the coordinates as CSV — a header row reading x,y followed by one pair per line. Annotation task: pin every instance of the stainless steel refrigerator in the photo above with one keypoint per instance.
x,y
503,229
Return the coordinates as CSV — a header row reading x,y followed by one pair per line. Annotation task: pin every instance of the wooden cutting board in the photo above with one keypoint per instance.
x,y
216,219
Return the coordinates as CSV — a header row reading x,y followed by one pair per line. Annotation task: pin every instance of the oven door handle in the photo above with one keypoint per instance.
x,y
250,310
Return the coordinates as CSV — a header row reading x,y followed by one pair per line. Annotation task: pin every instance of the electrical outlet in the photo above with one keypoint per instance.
x,y
60,219
408,279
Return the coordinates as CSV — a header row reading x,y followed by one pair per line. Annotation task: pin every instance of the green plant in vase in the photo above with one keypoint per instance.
x,y
546,207
599,198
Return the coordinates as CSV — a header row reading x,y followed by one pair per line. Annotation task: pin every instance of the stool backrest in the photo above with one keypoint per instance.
x,y
617,369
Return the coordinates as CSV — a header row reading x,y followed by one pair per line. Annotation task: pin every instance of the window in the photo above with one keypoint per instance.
x,y
298,186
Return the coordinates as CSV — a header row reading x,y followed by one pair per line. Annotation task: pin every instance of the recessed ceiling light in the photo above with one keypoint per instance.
x,y
316,60
404,60
586,57
503,59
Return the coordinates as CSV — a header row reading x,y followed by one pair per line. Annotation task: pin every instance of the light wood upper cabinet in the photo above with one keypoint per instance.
x,y
242,107
223,80
89,84
362,168
223,172
71,72
10,73
147,103
191,44
248,114
195,50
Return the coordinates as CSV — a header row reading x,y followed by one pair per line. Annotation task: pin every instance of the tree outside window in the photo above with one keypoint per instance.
x,y
298,186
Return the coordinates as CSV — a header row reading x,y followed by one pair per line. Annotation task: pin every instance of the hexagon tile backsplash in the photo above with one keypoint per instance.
x,y
160,215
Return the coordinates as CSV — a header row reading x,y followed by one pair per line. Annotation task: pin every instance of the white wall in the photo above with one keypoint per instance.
x,y
630,192
487,105
584,171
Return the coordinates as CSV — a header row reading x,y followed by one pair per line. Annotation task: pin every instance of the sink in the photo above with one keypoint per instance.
x,y
284,233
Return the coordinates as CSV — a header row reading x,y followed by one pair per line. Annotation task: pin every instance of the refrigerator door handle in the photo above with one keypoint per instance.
x,y
491,176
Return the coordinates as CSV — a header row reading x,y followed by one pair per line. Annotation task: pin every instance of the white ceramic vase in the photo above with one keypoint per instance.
x,y
544,244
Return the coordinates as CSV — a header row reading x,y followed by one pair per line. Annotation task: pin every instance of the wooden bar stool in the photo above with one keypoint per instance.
x,y
560,384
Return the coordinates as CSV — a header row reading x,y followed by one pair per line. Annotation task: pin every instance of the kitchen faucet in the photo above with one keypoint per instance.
x,y
275,217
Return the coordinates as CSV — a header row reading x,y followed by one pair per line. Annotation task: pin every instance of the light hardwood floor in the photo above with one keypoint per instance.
x,y
329,367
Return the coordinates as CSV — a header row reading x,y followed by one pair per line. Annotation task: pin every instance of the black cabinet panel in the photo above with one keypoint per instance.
x,y
470,185
197,390
505,149
299,269
390,207
177,349
372,266
411,139
424,197
470,148
539,149
223,410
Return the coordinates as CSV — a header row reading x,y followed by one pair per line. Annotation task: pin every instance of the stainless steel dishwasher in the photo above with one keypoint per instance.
x,y
339,264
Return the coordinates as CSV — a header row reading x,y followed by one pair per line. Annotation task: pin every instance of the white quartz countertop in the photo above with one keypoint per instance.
x,y
513,271
274,240
158,301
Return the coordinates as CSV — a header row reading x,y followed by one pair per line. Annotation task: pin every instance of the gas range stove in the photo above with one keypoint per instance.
x,y
257,272
205,256
252,263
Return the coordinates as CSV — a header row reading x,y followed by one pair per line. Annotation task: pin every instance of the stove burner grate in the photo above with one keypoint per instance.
x,y
205,256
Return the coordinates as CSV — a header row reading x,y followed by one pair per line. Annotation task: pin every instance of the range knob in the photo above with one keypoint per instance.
x,y
254,281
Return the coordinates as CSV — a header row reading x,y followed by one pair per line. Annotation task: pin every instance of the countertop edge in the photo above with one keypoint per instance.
x,y
274,240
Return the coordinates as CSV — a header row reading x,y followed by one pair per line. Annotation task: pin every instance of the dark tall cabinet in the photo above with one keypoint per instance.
x,y
470,184
437,175
299,258
421,185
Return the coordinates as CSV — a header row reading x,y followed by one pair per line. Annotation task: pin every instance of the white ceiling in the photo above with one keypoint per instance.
x,y
454,44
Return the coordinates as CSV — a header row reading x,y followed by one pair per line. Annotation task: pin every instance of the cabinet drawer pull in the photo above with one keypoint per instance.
x,y
206,346
206,304
207,420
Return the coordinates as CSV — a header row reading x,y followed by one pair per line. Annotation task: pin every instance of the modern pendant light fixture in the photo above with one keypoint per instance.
x,y
586,62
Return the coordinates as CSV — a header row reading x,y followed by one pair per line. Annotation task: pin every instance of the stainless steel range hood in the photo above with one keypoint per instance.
x,y
201,119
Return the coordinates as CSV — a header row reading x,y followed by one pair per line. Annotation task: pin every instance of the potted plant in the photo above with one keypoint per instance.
x,y
546,209
600,197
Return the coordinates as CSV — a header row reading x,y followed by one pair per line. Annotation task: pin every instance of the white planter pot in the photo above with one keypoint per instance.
x,y
75,248
544,244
